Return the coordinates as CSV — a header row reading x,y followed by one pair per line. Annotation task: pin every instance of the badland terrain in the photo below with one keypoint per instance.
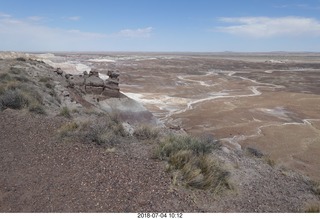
x,y
136,132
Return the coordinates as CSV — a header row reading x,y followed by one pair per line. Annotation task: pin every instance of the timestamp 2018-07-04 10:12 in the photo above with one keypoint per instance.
x,y
160,215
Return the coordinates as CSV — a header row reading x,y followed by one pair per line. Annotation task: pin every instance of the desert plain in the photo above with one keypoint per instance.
x,y
270,101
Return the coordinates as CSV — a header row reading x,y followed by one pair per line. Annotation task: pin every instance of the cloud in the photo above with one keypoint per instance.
x,y
74,18
266,27
136,33
35,18
4,15
27,35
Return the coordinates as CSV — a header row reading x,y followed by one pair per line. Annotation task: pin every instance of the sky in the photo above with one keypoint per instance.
x,y
160,25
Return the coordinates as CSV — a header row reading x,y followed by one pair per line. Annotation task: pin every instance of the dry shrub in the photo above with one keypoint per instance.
x,y
13,99
313,208
145,132
65,112
101,131
67,129
175,143
189,158
36,108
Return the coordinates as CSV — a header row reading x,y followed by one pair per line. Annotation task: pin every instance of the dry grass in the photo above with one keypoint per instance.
x,y
145,132
175,143
65,112
313,208
191,163
270,161
102,131
15,93
316,188
13,99
38,109
67,129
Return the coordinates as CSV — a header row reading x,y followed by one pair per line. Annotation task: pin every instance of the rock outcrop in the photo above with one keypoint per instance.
x,y
91,83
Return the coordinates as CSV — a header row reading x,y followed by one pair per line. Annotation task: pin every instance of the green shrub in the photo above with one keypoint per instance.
x,y
13,99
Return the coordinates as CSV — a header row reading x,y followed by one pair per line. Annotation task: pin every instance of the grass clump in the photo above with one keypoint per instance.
x,y
145,132
316,188
190,161
175,143
102,131
13,99
65,112
44,79
314,208
38,109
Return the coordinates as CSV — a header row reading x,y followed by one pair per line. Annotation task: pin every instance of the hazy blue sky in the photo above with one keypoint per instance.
x,y
160,25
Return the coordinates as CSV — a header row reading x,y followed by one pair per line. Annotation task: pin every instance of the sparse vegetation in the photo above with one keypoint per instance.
x,y
145,132
314,208
189,160
175,143
254,152
38,109
270,161
316,188
65,112
45,79
13,99
67,129
22,59
103,132
15,94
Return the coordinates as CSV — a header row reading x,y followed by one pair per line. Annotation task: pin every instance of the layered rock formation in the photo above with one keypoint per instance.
x,y
92,84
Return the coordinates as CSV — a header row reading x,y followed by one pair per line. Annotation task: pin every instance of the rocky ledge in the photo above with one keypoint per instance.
x,y
91,83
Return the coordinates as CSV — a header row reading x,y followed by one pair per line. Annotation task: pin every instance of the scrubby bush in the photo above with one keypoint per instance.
x,y
13,99
45,79
38,109
67,129
175,143
190,160
5,77
16,71
65,112
102,131
145,132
